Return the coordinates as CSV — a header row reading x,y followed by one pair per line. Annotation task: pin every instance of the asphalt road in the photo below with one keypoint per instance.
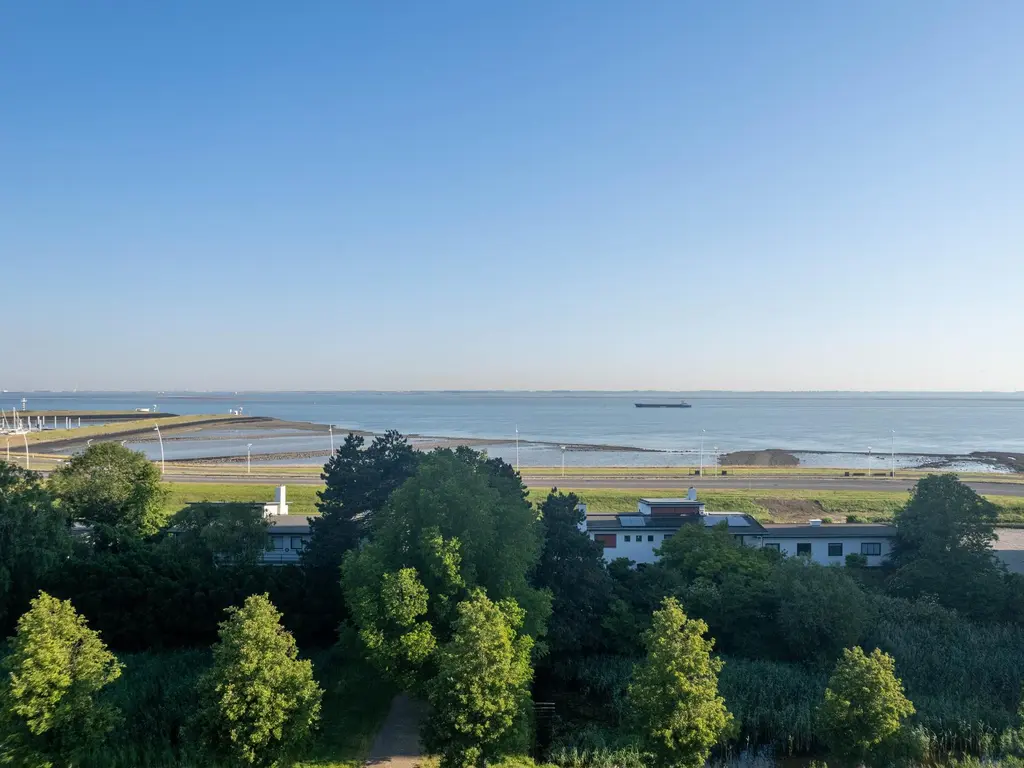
x,y
773,482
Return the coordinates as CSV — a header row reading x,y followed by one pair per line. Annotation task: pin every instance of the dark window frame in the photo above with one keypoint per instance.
x,y
833,544
804,549
875,546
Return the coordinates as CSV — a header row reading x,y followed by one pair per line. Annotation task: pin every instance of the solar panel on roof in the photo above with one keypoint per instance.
x,y
634,521
738,522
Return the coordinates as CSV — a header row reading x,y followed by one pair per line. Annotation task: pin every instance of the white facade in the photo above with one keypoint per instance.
x,y
834,549
637,535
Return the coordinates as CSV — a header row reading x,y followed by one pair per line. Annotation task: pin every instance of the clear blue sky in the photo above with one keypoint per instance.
x,y
527,194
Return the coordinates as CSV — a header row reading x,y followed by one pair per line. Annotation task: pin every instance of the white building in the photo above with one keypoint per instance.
x,y
636,535
287,535
830,544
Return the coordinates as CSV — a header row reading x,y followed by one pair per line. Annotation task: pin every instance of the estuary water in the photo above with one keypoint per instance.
x,y
908,423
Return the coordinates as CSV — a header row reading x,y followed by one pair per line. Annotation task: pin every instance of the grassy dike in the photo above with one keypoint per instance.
x,y
766,505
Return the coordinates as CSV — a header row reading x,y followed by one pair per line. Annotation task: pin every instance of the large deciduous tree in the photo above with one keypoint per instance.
x,y
864,704
677,710
481,691
943,547
115,491
458,524
34,539
50,710
260,701
572,568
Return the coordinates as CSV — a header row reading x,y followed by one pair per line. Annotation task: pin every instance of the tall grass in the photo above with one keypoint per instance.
x,y
157,696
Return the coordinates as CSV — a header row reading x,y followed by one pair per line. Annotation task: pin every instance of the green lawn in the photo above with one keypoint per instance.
x,y
777,505
766,505
301,498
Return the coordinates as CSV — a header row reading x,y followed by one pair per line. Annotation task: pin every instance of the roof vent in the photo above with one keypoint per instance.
x,y
815,523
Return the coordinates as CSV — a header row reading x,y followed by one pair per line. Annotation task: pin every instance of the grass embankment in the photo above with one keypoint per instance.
x,y
778,506
301,498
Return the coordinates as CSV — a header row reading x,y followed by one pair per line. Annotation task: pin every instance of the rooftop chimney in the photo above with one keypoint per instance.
x,y
815,523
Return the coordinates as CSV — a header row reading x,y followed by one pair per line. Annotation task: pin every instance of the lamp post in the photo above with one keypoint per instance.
x,y
248,458
163,465
330,431
28,459
869,461
714,451
563,460
892,471
701,470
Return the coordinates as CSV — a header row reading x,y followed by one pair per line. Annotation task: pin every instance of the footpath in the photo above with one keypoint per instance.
x,y
398,743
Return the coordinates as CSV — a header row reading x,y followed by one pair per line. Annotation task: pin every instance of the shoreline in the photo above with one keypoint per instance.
x,y
180,429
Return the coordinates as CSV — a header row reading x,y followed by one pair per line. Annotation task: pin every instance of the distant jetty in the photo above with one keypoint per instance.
x,y
664,404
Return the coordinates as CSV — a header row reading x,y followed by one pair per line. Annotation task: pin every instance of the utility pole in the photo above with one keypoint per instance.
x,y
248,459
701,472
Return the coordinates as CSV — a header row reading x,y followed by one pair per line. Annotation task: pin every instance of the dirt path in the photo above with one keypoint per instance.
x,y
398,743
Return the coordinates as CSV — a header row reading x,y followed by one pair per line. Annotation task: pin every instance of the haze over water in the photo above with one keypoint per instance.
x,y
845,422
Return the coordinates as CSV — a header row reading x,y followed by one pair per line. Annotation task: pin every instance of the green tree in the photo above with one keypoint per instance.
x,y
864,704
821,610
482,686
358,483
943,547
115,491
34,539
456,525
234,534
260,702
674,693
727,584
572,568
50,712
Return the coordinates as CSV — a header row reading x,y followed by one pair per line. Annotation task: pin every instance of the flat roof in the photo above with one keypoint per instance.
x,y
669,502
289,523
738,522
829,530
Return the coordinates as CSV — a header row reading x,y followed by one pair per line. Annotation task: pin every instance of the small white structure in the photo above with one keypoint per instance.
x,y
279,506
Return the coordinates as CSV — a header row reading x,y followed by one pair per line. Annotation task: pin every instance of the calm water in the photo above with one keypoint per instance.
x,y
925,423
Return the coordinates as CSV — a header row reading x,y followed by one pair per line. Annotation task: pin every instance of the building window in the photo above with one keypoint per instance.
x,y
650,537
297,543
835,550
870,548
627,537
774,546
606,540
803,548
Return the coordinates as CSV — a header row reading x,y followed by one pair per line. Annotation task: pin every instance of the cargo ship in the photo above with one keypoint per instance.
x,y
665,404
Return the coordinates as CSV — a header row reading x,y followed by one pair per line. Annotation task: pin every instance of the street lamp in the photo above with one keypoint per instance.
x,y
892,472
123,442
88,443
869,461
714,450
28,459
563,460
163,465
248,459
701,472
330,431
